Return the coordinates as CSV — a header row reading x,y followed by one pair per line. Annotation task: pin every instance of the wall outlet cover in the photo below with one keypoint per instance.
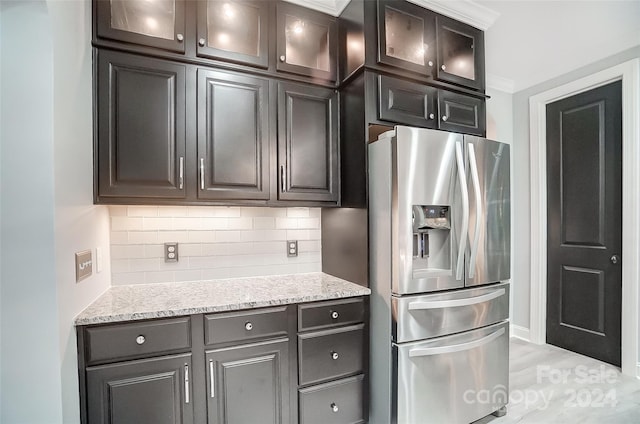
x,y
292,248
84,265
171,252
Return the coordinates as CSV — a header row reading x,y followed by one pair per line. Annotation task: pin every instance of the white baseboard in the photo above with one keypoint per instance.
x,y
523,333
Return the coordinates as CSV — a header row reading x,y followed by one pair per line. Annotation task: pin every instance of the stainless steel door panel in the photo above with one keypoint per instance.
x,y
488,253
422,317
453,379
425,173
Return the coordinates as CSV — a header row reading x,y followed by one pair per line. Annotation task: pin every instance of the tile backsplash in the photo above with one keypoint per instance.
x,y
214,242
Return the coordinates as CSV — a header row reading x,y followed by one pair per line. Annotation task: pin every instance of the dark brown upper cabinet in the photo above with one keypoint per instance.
x,y
307,143
460,53
306,42
406,36
406,102
140,127
158,23
235,31
460,113
233,136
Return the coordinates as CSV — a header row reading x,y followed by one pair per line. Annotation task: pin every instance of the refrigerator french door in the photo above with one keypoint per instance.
x,y
439,228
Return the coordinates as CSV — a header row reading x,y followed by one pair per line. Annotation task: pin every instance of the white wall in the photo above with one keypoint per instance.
x,y
214,242
30,368
521,189
79,225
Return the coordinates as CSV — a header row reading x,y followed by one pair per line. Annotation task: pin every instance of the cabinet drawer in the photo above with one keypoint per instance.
x,y
328,354
337,402
245,325
137,339
329,314
406,102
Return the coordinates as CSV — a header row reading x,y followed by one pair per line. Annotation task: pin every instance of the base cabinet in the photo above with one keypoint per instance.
x,y
249,384
147,391
279,365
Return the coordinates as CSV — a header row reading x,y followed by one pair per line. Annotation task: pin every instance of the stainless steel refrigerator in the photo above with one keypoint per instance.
x,y
439,228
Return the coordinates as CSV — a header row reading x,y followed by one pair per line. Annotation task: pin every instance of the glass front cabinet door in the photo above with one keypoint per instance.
x,y
460,53
306,42
406,36
152,23
234,30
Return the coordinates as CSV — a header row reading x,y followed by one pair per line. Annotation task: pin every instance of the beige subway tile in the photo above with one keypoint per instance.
x,y
202,236
212,223
173,236
240,223
215,274
189,223
310,223
127,251
172,211
264,223
125,223
147,264
228,236
182,264
119,237
286,223
117,210
159,277
302,268
309,246
142,211
298,235
188,275
268,247
154,251
119,266
190,249
298,212
315,212
127,278
143,237
150,224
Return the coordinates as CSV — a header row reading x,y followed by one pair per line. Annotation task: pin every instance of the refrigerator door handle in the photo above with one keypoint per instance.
x,y
476,188
457,347
465,211
468,301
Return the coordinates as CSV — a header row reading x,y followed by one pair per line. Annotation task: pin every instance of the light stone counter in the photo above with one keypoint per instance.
x,y
144,301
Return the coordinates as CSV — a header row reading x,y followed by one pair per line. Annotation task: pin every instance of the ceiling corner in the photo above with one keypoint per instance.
x,y
499,83
467,11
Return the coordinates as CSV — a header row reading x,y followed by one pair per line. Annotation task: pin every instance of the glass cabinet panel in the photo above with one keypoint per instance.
x,y
154,18
458,57
404,38
234,27
307,43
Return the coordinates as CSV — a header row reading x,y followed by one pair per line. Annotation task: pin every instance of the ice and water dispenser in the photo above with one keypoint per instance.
x,y
431,240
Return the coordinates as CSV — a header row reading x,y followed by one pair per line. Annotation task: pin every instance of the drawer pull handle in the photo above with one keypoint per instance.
x,y
334,314
140,340
427,351
248,326
186,383
334,407
212,379
467,301
334,355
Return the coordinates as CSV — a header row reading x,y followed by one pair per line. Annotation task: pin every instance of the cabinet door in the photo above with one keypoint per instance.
x,y
249,384
158,23
234,30
406,102
306,42
460,53
149,391
141,127
307,143
406,36
460,113
233,136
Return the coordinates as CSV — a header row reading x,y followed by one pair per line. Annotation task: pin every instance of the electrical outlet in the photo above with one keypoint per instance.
x,y
171,252
292,248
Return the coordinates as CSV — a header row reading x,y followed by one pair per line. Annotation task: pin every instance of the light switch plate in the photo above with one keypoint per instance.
x,y
84,265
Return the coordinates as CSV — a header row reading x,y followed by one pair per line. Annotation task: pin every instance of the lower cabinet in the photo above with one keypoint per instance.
x,y
239,367
146,391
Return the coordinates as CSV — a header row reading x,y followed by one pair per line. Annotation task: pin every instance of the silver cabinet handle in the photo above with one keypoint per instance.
x,y
248,326
615,259
334,314
427,351
465,211
444,68
212,380
186,383
431,116
334,356
334,407
201,174
444,118
467,301
201,42
282,58
140,339
282,178
180,37
431,63
181,172
473,164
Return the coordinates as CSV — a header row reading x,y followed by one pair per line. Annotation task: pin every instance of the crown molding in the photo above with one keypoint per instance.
x,y
499,83
466,11
330,7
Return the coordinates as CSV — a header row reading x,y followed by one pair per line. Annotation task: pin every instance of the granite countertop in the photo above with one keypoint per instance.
x,y
145,301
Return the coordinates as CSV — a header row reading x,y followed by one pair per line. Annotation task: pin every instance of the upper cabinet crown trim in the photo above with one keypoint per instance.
x,y
331,7
469,12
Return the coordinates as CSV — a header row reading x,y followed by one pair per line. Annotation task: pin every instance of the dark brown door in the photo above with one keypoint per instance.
x,y
584,186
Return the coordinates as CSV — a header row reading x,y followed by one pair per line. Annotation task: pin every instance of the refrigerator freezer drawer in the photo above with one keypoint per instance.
x,y
453,379
423,317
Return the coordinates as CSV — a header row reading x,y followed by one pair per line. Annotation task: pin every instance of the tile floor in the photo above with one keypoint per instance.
x,y
551,385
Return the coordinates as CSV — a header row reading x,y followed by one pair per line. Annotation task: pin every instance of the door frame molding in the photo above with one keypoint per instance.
x,y
629,73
